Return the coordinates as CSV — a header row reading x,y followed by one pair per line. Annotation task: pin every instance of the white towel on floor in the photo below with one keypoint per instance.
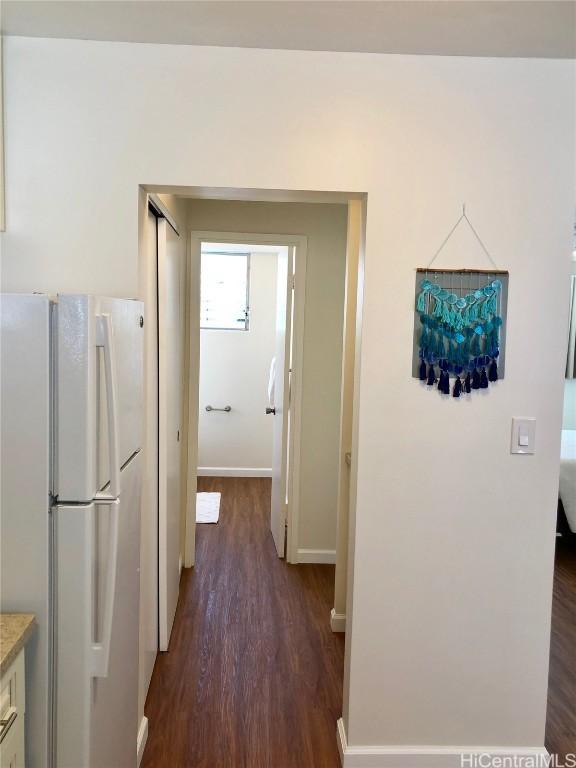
x,y
207,507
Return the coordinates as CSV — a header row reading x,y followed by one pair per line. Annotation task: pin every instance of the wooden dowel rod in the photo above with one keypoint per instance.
x,y
431,270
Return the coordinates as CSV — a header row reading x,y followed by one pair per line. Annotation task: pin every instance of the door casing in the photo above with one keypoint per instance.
x,y
192,365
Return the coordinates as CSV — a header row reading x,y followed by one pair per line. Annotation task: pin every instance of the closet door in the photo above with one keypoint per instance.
x,y
170,355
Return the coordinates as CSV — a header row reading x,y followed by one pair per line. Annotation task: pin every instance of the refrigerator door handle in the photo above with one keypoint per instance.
x,y
105,339
101,651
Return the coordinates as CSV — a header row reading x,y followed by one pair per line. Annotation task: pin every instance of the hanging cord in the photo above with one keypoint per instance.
x,y
465,218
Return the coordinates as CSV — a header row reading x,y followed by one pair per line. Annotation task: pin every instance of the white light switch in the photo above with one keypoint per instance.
x,y
523,435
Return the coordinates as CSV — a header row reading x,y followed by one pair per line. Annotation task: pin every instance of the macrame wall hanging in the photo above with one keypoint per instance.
x,y
460,324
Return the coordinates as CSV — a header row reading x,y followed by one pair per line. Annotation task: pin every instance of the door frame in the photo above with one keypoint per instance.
x,y
192,367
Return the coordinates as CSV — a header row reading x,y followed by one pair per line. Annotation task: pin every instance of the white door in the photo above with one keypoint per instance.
x,y
170,353
281,398
149,532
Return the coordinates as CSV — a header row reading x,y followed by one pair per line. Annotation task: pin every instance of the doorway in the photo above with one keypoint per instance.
x,y
246,318
240,591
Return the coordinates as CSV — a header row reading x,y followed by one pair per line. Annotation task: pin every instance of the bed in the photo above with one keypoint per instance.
x,y
568,476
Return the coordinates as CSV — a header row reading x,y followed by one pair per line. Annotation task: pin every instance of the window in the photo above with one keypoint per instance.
x,y
224,291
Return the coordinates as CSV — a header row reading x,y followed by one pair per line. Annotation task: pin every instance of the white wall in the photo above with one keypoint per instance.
x,y
448,630
234,368
325,227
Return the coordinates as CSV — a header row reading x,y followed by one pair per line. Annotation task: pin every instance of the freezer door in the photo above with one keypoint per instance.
x,y
98,559
76,399
127,318
85,461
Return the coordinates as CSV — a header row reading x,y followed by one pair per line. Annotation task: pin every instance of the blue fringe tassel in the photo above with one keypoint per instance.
x,y
457,388
493,371
444,383
422,372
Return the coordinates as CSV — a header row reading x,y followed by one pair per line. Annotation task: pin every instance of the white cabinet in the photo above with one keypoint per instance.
x,y
12,706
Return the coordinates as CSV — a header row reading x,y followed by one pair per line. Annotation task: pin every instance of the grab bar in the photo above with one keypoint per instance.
x,y
226,409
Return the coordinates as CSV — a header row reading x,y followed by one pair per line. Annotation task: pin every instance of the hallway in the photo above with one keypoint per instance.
x,y
253,675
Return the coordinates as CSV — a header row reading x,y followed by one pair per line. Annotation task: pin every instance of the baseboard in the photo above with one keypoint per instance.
x,y
234,472
317,556
337,621
142,738
435,757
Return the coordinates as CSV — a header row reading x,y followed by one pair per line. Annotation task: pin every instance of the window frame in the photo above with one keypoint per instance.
x,y
247,256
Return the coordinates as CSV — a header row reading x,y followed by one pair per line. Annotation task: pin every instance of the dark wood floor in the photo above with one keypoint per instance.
x,y
253,674
561,721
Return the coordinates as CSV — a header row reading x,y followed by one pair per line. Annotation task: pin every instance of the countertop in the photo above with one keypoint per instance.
x,y
15,630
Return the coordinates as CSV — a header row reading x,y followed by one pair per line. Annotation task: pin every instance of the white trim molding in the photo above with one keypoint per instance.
x,y
337,621
142,739
234,472
431,757
326,556
300,244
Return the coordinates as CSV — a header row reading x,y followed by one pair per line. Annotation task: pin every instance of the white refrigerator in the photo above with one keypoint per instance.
x,y
71,389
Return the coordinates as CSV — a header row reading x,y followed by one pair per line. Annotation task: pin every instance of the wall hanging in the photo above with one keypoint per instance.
x,y
460,324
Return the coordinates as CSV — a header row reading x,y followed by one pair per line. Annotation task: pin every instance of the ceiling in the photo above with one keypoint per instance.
x,y
510,28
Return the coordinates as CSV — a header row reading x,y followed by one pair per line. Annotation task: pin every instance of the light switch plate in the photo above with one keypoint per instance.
x,y
523,435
